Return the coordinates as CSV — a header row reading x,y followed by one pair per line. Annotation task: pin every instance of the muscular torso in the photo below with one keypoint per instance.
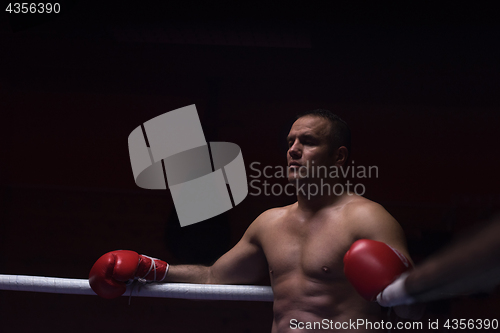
x,y
305,257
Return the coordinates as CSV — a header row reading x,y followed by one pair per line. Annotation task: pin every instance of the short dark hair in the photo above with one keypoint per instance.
x,y
340,133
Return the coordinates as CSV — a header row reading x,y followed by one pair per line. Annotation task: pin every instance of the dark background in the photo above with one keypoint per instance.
x,y
418,86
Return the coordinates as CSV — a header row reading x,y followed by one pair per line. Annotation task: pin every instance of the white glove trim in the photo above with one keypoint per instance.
x,y
395,293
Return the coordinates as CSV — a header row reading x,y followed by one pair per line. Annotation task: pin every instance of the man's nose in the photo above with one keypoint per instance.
x,y
295,150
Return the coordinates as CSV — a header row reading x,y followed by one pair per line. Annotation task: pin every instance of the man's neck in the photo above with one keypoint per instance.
x,y
311,204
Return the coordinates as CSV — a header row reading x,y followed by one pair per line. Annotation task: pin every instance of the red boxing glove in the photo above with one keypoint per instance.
x,y
109,276
371,266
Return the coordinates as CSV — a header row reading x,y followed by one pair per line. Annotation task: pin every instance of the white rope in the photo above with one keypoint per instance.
x,y
164,290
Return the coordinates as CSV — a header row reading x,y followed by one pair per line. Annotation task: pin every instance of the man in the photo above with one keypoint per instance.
x,y
301,246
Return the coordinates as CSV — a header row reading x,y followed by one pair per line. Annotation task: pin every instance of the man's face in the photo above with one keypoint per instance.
x,y
308,147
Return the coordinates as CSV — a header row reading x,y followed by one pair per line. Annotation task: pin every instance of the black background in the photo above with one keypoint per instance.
x,y
418,86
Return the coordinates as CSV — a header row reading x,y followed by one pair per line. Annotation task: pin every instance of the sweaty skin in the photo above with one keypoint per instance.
x,y
301,246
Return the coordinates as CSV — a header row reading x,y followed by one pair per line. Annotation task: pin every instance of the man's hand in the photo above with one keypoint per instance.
x,y
111,272
371,266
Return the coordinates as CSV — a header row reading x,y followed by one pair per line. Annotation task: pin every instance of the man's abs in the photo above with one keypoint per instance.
x,y
308,305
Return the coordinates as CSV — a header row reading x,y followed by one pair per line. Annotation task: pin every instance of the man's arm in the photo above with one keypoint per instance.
x,y
245,263
374,222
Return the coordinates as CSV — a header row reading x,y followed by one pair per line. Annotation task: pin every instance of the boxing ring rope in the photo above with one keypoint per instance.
x,y
164,290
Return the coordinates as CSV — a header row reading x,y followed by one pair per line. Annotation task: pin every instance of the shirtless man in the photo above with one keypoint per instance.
x,y
301,246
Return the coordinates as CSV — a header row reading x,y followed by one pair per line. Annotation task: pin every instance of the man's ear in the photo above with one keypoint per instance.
x,y
341,156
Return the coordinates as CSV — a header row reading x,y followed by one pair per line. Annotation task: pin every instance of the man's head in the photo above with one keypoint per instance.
x,y
339,134
317,138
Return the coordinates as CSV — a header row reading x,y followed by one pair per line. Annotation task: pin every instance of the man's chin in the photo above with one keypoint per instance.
x,y
292,177
296,180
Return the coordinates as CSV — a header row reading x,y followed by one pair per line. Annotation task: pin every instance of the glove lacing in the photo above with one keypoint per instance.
x,y
152,267
142,280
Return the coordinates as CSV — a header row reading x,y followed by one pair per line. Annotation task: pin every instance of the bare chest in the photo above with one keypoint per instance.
x,y
314,249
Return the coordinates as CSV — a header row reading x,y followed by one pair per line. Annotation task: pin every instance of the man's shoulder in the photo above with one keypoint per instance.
x,y
369,219
359,206
271,216
362,212
275,213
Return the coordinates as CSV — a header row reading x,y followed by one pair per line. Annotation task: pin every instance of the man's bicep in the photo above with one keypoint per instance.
x,y
245,263
379,225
